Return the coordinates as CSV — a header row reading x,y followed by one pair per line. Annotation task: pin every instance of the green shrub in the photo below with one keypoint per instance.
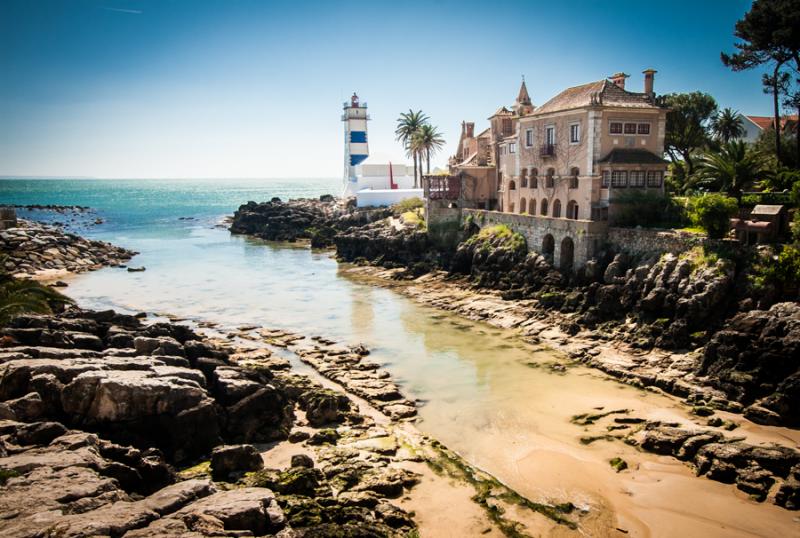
x,y
499,236
712,212
405,206
782,272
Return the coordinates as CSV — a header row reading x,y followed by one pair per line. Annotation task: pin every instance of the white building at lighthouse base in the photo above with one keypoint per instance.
x,y
374,186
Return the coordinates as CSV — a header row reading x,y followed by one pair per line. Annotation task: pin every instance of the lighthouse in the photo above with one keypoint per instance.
x,y
356,149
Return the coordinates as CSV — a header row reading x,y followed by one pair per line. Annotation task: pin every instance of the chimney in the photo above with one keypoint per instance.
x,y
470,129
649,76
619,79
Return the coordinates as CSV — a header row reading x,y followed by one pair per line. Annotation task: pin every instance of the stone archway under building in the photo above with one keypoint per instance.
x,y
548,246
567,254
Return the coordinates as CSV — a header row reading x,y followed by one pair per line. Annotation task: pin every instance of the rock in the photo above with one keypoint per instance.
x,y
302,460
136,269
27,408
38,433
298,436
324,437
229,459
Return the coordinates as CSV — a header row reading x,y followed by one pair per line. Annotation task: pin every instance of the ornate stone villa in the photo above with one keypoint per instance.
x,y
562,169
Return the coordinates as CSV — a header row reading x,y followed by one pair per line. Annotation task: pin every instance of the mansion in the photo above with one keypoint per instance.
x,y
573,158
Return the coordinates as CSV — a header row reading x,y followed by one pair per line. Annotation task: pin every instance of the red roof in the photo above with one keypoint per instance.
x,y
765,122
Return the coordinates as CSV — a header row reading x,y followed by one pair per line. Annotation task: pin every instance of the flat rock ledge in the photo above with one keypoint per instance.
x,y
32,249
349,367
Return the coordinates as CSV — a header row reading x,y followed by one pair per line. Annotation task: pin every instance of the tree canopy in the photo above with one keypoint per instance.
x,y
687,125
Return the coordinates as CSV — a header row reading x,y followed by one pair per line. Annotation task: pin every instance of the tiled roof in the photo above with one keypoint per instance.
x,y
502,111
604,92
763,209
765,122
631,156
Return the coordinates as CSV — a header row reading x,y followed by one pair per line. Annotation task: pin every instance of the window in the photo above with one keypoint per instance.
x,y
654,178
523,206
532,206
534,179
630,128
550,182
637,178
512,147
573,179
574,133
557,208
644,129
524,177
619,178
550,135
543,211
615,127
512,185
606,179
529,138
506,126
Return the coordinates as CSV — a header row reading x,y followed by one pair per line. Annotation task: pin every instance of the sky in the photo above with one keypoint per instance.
x,y
252,89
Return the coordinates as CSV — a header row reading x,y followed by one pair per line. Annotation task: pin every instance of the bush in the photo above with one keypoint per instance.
x,y
407,205
712,212
782,272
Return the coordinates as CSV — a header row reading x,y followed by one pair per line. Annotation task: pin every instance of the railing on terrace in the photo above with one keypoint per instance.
x,y
443,187
547,150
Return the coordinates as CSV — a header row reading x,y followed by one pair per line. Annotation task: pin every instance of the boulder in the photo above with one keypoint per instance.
x,y
229,459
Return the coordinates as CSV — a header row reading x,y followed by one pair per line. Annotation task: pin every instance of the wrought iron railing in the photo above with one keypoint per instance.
x,y
547,150
443,187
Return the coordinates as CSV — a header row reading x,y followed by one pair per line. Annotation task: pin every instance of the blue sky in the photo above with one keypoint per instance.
x,y
240,88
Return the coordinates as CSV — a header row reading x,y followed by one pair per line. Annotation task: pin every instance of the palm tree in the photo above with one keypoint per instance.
x,y
21,296
732,167
407,124
429,140
728,125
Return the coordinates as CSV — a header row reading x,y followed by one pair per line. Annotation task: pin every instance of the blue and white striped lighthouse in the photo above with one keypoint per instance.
x,y
355,142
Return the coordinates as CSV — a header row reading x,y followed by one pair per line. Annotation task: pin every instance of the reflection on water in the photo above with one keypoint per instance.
x,y
481,396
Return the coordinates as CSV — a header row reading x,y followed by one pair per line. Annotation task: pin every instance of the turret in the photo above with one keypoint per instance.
x,y
356,149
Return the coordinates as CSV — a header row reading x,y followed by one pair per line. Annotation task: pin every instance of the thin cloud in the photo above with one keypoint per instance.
x,y
121,10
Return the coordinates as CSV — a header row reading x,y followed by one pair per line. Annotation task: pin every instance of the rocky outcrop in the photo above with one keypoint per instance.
x,y
759,471
349,368
755,360
156,385
31,248
315,220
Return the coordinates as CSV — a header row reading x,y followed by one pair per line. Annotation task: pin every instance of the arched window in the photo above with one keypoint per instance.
x,y
557,208
550,179
512,185
534,178
523,206
543,210
532,207
548,246
573,179
572,210
523,178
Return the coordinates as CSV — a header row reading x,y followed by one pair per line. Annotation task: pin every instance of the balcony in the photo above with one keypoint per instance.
x,y
547,150
442,187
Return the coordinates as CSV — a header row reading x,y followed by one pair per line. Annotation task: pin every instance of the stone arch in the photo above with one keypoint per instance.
x,y
548,246
512,185
572,210
532,207
567,257
543,210
523,205
534,178
557,208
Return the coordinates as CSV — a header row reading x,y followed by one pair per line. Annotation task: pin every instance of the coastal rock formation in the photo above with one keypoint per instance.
x,y
31,248
155,385
316,220
96,407
363,378
759,471
755,360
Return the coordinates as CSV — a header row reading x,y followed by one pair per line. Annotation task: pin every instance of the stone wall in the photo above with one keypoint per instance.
x,y
443,222
641,242
550,236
